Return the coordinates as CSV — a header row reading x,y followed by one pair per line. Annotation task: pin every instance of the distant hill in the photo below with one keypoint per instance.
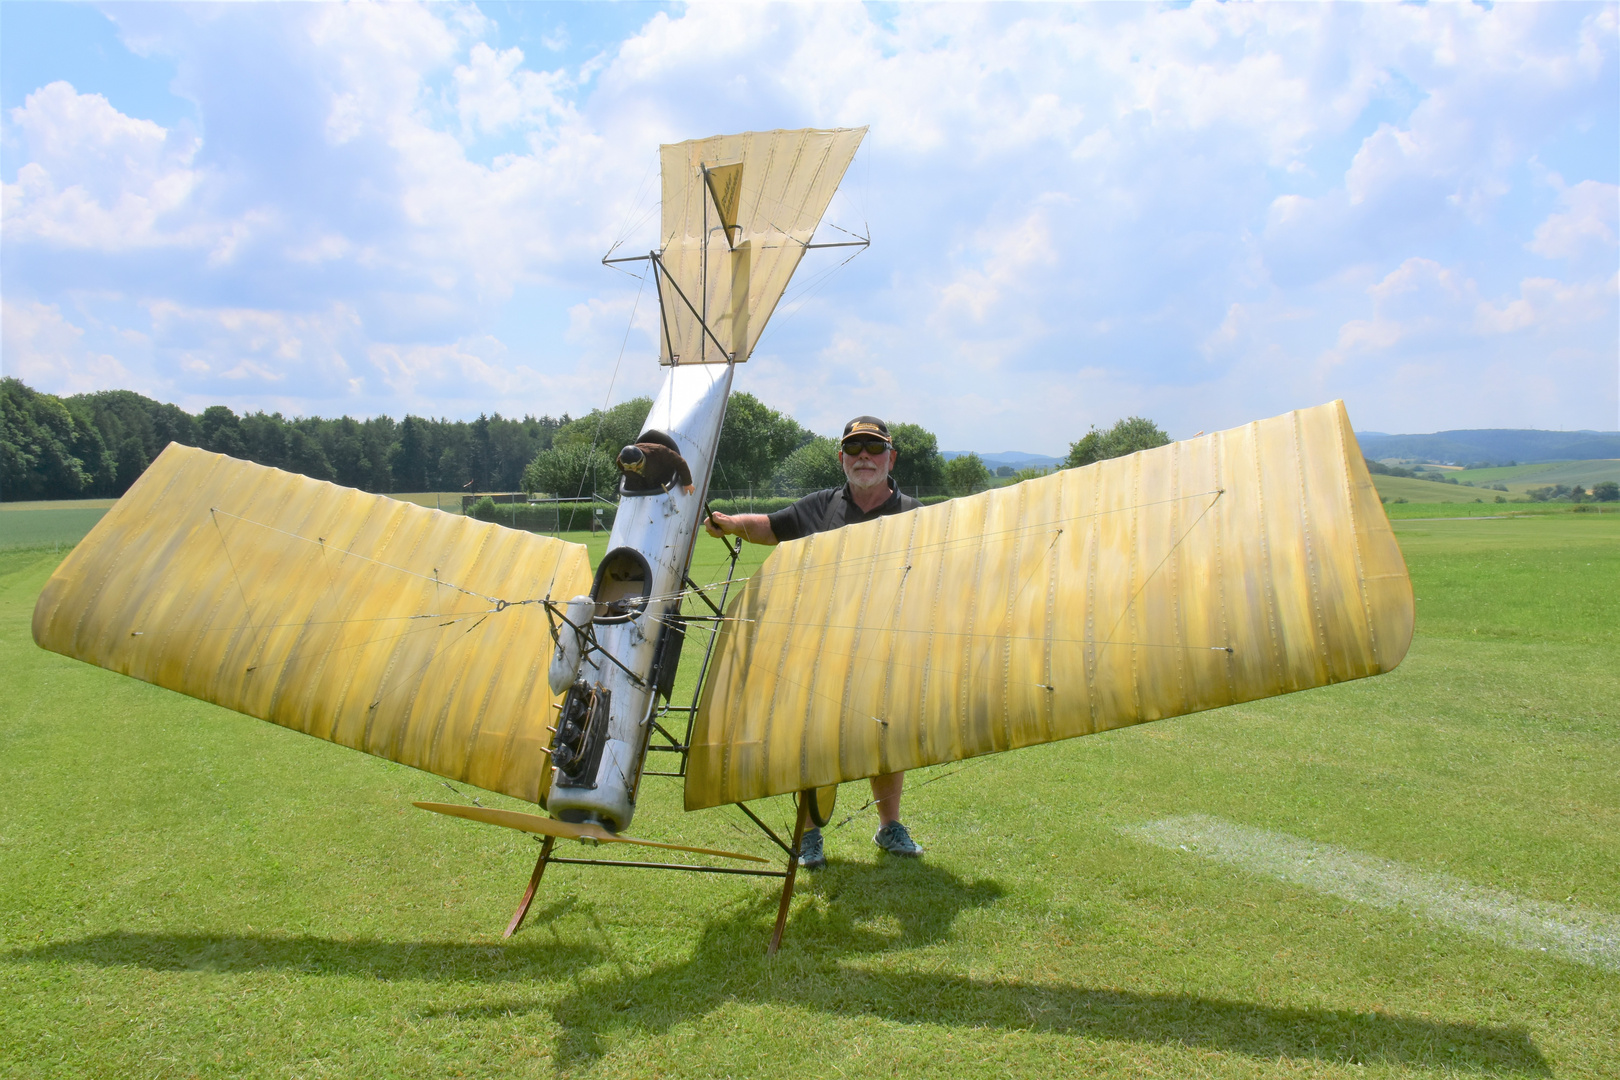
x,y
1016,458
1497,445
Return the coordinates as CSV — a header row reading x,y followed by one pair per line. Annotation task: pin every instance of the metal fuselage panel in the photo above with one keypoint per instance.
x,y
662,527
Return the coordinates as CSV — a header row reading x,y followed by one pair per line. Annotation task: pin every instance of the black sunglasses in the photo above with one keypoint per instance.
x,y
874,447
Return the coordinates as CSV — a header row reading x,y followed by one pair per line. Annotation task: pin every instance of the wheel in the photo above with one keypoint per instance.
x,y
821,804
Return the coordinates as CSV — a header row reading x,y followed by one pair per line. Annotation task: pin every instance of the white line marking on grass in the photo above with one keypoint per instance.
x,y
1575,933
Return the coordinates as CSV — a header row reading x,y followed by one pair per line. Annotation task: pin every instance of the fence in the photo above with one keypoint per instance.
x,y
546,515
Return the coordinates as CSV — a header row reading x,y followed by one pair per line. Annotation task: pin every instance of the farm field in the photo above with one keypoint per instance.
x,y
60,524
1518,479
66,521
1524,477
1355,881
1428,491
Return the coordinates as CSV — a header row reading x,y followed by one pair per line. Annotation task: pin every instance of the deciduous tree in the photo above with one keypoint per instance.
x,y
1127,436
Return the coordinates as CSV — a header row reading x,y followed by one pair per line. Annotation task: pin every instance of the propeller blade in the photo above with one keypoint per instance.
x,y
567,830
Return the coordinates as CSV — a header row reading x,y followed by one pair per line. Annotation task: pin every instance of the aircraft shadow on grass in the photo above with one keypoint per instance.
x,y
863,909
429,961
846,910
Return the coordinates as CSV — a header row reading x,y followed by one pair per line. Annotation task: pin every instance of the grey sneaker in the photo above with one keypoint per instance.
x,y
810,854
894,839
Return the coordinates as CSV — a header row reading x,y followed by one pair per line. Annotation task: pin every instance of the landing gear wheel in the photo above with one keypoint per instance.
x,y
822,800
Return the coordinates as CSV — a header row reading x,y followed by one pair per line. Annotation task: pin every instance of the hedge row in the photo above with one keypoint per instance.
x,y
544,517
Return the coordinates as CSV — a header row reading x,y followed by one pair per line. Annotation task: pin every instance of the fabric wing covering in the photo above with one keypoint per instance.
x,y
734,277
1236,566
372,623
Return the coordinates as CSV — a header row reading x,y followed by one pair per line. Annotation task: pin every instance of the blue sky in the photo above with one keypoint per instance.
x,y
1202,214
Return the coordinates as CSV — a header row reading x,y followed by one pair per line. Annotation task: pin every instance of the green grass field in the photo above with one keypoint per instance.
x,y
1524,477
190,892
1518,479
1428,491
56,525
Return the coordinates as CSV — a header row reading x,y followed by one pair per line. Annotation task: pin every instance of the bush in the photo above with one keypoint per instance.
x,y
811,467
919,464
1606,491
966,474
609,430
1127,436
543,517
570,471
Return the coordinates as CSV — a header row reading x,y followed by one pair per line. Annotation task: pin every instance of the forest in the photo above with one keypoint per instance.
x,y
97,444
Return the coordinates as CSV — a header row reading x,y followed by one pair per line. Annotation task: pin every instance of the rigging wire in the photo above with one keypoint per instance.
x,y
791,304
349,553
601,417
635,206
877,560
899,557
927,665
914,788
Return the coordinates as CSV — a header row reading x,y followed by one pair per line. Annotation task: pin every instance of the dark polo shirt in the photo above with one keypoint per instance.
x,y
832,508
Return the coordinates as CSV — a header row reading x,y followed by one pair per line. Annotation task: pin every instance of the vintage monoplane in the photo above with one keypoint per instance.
x,y
1234,566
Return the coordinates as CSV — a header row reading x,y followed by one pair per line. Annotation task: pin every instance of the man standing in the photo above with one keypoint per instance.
x,y
867,455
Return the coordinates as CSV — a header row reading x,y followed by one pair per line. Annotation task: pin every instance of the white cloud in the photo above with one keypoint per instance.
x,y
1544,303
1011,254
42,348
240,351
1200,214
1584,222
493,94
98,179
1423,298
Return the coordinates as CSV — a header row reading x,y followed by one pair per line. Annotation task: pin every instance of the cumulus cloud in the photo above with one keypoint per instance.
x,y
98,179
1584,222
42,347
1202,214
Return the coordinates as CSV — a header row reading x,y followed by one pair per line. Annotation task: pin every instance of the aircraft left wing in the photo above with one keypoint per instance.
x,y
376,624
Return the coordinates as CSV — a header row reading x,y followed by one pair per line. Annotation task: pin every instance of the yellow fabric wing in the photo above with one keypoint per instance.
x,y
372,623
1236,566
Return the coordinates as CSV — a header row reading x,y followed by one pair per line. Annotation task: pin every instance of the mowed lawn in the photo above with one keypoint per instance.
x,y
189,892
57,525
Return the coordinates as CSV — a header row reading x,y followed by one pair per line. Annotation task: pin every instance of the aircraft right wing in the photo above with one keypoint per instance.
x,y
1240,565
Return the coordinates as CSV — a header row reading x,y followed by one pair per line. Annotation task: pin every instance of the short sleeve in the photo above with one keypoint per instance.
x,y
800,518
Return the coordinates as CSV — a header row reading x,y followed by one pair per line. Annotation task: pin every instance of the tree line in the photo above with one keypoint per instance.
x,y
97,444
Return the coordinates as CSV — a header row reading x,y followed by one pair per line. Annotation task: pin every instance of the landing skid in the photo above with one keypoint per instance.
x,y
788,874
813,807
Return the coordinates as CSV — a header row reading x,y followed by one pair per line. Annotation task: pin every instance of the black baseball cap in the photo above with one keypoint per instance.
x,y
867,425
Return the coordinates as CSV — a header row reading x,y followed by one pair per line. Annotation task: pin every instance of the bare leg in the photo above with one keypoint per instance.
x,y
886,793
